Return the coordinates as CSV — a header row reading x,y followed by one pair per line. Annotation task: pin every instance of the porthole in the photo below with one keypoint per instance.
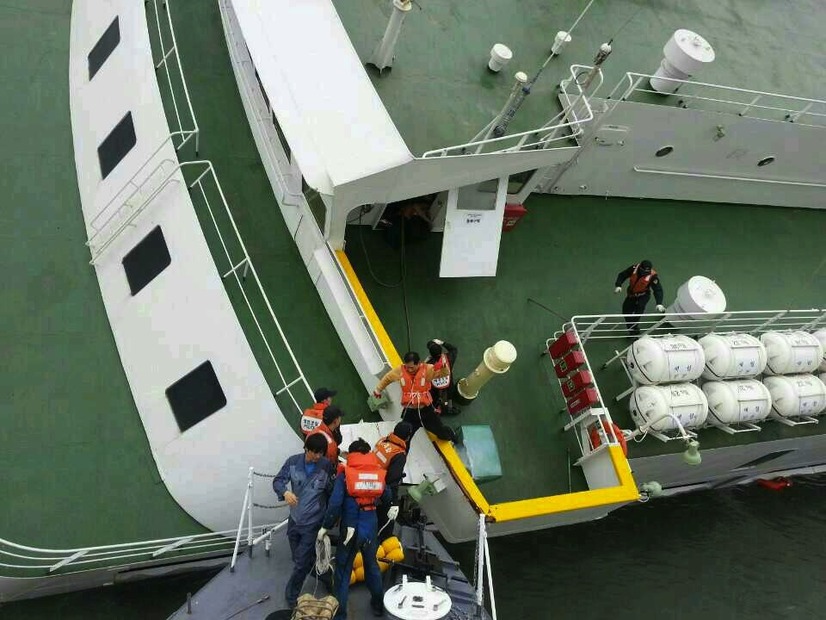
x,y
666,150
766,161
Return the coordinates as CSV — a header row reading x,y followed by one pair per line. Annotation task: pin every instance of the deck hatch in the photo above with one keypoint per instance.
x,y
104,47
116,145
196,396
146,260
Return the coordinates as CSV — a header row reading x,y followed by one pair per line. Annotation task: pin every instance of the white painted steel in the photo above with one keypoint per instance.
x,y
796,395
500,55
792,352
666,359
737,402
328,109
685,401
821,338
683,55
473,230
697,296
732,356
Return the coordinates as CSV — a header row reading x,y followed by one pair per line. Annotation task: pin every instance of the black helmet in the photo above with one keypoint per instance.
x,y
645,266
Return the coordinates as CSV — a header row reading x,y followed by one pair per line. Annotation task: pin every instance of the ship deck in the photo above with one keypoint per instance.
x,y
565,254
77,463
440,93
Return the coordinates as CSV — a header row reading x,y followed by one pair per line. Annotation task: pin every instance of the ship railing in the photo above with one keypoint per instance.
x,y
754,322
254,536
742,101
239,266
482,567
37,561
131,200
562,127
169,56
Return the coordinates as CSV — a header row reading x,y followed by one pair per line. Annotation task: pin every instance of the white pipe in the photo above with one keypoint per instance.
x,y
644,428
490,579
701,175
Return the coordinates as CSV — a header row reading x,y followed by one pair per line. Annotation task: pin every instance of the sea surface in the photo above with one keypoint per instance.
x,y
735,553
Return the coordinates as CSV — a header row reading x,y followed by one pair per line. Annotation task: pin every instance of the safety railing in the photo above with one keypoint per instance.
x,y
254,536
482,567
169,56
242,263
562,126
36,561
596,414
131,200
741,101
754,322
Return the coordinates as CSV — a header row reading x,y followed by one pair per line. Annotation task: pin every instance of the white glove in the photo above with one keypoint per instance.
x,y
660,308
618,290
321,534
392,512
350,532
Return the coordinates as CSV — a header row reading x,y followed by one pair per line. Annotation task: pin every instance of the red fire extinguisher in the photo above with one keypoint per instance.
x,y
513,213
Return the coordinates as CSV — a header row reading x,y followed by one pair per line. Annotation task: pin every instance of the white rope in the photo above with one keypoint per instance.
x,y
323,555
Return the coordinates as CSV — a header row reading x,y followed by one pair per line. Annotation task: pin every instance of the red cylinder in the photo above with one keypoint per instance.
x,y
563,344
576,382
513,213
582,400
569,363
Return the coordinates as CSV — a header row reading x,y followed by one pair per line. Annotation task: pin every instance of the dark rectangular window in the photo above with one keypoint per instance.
x,y
765,458
104,47
196,396
146,260
281,137
116,145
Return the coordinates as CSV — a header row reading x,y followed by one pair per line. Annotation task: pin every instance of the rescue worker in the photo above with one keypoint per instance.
x,y
443,388
312,416
392,454
310,478
355,494
642,279
415,378
330,421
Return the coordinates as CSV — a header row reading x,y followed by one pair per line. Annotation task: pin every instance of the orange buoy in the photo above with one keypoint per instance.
x,y
775,484
595,440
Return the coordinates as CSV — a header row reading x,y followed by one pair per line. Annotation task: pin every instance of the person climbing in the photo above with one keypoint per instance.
x,y
312,416
392,454
442,387
330,421
356,492
415,378
642,279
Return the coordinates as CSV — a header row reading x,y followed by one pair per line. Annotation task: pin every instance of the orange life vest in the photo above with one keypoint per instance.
x,y
387,448
638,285
312,418
364,476
441,383
332,446
415,388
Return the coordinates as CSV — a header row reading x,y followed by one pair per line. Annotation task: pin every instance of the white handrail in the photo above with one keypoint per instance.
x,y
209,172
545,130
631,82
166,54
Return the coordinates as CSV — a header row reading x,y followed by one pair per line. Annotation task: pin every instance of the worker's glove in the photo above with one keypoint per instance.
x,y
350,532
439,342
660,308
376,393
618,290
392,512
321,534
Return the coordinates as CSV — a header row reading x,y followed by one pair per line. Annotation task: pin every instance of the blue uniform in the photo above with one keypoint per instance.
x,y
365,540
311,483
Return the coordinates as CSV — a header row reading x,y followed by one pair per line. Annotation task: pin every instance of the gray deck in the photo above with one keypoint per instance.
x,y
263,578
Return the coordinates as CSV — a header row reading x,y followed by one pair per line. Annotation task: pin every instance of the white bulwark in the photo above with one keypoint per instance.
x,y
331,115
